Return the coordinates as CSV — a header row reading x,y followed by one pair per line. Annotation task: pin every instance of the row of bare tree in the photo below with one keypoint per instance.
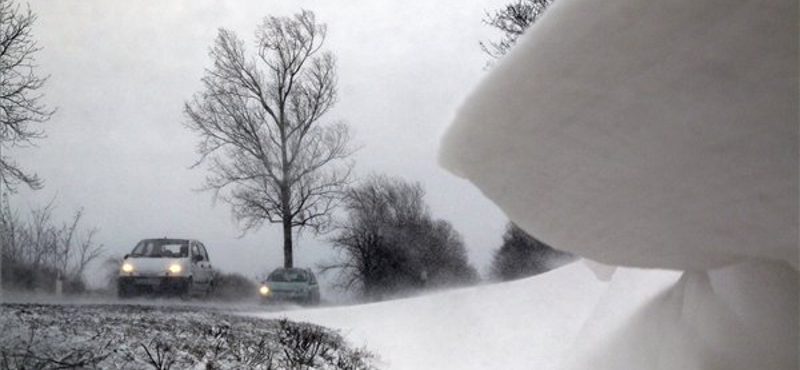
x,y
37,250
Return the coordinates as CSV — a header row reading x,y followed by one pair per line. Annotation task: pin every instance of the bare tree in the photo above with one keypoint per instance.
x,y
19,96
75,250
390,243
521,255
513,20
19,90
269,154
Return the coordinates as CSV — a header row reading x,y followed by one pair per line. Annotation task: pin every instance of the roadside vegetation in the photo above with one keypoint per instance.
x,y
390,244
41,254
136,337
230,287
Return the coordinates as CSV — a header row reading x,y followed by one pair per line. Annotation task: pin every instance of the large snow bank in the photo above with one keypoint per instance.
x,y
526,324
644,133
656,134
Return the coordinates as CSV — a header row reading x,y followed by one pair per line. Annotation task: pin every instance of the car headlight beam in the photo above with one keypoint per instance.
x,y
264,290
127,267
175,268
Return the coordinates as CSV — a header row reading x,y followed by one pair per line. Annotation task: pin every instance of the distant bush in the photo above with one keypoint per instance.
x,y
24,277
391,244
233,286
36,251
522,255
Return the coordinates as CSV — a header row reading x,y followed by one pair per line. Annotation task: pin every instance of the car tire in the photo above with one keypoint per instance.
x,y
125,291
186,294
209,289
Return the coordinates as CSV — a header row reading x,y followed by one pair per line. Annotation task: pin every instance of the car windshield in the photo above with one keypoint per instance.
x,y
288,276
161,248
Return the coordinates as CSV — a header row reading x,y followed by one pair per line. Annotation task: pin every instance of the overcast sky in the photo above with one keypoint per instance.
x,y
121,71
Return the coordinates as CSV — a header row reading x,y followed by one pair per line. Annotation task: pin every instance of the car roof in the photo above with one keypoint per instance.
x,y
291,269
169,240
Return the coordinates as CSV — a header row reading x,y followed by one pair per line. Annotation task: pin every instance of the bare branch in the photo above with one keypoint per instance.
x,y
20,95
512,20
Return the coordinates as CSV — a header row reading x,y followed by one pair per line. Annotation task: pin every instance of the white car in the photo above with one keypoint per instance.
x,y
176,266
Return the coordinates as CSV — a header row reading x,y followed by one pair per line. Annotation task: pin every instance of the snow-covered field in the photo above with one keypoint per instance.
x,y
136,336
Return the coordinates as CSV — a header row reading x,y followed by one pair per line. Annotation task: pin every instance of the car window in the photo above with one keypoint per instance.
x,y
203,252
158,248
196,251
288,276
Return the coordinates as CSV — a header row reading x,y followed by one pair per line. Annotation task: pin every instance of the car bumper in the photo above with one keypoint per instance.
x,y
154,283
285,296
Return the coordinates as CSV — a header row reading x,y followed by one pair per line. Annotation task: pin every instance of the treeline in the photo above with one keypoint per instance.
x,y
37,251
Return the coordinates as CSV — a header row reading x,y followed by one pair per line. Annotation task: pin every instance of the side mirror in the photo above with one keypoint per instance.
x,y
126,256
197,258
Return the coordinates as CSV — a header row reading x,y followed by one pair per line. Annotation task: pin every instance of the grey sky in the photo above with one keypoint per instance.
x,y
121,71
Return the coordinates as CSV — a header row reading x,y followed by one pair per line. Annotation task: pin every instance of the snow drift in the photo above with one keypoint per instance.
x,y
655,135
526,324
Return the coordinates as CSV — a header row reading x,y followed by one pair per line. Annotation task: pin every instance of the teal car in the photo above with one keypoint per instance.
x,y
292,284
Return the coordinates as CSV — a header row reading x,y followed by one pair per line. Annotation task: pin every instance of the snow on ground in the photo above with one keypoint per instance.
x,y
134,336
527,324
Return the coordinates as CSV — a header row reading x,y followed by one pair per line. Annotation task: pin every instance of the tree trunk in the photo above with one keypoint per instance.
x,y
287,244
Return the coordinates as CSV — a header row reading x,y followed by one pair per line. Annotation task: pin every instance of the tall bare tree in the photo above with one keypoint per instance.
x,y
269,154
512,20
19,97
20,90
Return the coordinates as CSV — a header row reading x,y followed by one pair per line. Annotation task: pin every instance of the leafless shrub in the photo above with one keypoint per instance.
x,y
37,251
138,338
159,354
32,350
303,344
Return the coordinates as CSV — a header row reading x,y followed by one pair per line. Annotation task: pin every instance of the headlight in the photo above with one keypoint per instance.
x,y
175,268
127,267
264,290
